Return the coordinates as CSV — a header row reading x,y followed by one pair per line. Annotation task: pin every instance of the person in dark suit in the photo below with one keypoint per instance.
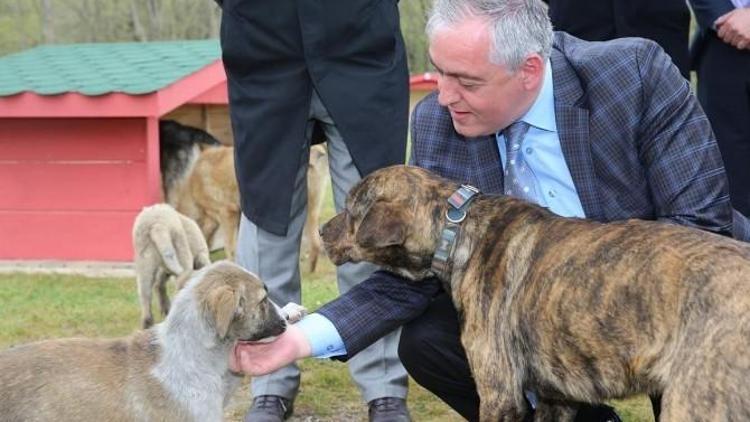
x,y
721,56
613,132
665,21
292,67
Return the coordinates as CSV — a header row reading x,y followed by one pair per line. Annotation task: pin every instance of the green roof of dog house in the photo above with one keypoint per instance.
x,y
101,68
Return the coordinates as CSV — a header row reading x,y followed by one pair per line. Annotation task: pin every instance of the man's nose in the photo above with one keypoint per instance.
x,y
447,93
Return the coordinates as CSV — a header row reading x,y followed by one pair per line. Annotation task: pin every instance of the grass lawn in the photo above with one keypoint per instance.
x,y
35,307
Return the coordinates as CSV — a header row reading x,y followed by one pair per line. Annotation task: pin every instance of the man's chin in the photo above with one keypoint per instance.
x,y
469,131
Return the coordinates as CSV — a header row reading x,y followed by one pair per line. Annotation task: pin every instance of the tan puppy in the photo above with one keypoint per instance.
x,y
317,182
575,310
175,371
166,244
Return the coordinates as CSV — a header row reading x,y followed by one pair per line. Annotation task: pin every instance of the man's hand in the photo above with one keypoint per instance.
x,y
734,28
264,358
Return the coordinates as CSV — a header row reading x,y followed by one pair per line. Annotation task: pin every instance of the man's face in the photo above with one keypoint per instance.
x,y
482,97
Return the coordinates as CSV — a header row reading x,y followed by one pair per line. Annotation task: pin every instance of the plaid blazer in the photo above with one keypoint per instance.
x,y
634,137
636,142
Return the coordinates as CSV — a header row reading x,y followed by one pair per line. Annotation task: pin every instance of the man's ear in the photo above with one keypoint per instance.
x,y
532,70
222,305
382,226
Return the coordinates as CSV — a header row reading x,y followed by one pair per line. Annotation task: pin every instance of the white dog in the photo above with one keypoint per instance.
x,y
166,244
175,371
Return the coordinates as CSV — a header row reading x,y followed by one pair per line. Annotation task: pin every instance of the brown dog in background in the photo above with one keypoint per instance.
x,y
179,146
317,182
176,371
575,310
210,196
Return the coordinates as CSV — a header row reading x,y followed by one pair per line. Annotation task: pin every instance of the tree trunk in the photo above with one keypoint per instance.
x,y
138,32
48,22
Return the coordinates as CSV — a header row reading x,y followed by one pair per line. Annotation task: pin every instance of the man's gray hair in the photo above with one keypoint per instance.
x,y
517,27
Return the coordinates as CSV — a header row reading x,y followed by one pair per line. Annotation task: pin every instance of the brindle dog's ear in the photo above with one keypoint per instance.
x,y
222,304
382,226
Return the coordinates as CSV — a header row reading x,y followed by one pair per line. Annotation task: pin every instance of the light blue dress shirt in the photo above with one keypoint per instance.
x,y
322,335
543,155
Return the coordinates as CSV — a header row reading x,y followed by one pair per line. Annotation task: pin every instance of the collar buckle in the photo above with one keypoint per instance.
x,y
458,203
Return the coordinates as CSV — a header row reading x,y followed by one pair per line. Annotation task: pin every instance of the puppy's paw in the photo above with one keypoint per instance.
x,y
293,312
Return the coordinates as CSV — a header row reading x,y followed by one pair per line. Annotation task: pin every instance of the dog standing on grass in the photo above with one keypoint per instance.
x,y
572,309
317,182
166,244
179,148
176,371
210,196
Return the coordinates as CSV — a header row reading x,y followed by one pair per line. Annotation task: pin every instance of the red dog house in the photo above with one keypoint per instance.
x,y
79,147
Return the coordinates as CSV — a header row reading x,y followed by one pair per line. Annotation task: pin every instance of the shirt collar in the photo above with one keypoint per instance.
x,y
541,115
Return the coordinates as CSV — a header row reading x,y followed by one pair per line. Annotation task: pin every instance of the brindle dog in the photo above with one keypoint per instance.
x,y
575,310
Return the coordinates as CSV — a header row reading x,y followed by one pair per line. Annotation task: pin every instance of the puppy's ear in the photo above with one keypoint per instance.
x,y
382,226
222,304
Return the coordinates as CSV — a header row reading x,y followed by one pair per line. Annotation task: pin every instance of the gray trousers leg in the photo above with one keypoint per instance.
x,y
376,370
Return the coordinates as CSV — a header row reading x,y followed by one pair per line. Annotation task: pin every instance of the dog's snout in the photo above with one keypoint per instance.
x,y
331,231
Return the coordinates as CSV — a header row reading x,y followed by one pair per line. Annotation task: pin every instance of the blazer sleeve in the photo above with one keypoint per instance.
x,y
707,11
377,306
678,149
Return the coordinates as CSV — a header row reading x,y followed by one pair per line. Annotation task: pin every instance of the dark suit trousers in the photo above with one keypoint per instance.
x,y
724,93
431,352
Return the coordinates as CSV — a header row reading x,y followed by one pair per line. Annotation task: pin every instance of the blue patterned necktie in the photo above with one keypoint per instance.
x,y
520,180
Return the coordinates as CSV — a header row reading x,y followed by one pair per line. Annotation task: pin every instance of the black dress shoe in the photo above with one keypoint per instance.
x,y
388,409
269,409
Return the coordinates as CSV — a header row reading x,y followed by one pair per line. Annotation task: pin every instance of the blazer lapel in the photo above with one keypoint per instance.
x,y
486,162
573,129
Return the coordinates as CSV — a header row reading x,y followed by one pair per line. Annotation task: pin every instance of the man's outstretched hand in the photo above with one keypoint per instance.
x,y
264,358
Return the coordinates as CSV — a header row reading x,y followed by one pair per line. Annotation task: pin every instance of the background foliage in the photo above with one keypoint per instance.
x,y
27,23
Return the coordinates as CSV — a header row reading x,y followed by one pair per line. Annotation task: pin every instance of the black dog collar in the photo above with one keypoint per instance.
x,y
458,203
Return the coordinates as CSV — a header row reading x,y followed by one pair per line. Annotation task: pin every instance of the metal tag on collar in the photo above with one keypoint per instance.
x,y
460,199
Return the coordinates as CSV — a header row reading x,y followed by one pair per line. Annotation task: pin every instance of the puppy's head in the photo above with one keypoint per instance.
x,y
392,218
236,304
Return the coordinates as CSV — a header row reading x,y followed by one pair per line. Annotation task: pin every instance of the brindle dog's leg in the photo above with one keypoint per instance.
x,y
499,401
499,406
549,411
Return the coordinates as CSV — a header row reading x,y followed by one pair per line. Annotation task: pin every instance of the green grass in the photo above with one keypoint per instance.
x,y
35,307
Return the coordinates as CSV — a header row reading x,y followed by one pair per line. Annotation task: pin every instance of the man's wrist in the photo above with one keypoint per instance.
x,y
322,336
299,342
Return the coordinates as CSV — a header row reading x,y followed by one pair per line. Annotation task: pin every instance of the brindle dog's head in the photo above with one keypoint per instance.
x,y
392,218
235,302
